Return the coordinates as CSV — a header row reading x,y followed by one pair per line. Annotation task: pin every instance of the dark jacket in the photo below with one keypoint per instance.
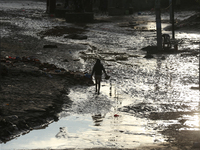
x,y
98,68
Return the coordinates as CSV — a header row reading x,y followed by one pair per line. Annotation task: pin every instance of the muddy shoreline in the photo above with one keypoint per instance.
x,y
32,94
33,89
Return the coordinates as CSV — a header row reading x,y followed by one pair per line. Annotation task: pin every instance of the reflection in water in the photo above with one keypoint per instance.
x,y
62,133
65,134
142,97
98,119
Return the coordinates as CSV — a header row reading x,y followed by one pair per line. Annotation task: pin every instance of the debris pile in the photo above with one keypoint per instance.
x,y
45,68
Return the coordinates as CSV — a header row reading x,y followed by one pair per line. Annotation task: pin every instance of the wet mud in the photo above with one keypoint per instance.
x,y
146,104
32,94
60,31
33,90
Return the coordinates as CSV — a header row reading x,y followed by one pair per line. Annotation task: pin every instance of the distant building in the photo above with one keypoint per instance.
x,y
123,7
111,7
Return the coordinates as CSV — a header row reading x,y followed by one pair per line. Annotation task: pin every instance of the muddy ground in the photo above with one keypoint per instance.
x,y
33,91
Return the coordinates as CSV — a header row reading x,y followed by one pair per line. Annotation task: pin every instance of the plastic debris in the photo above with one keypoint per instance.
x,y
88,75
116,115
57,70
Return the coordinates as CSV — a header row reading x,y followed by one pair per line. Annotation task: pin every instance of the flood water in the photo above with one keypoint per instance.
x,y
142,98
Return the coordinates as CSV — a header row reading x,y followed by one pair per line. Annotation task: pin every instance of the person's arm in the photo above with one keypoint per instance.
x,y
104,70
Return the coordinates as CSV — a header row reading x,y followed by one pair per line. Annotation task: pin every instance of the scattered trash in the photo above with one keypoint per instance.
x,y
116,115
11,57
57,70
18,58
88,76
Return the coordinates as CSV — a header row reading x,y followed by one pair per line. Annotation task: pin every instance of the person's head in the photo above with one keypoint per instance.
x,y
98,61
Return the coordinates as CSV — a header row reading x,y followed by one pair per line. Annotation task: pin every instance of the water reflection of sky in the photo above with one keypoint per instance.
x,y
137,80
81,132
156,83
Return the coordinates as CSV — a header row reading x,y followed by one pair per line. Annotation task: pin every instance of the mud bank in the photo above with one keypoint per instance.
x,y
153,89
33,88
32,93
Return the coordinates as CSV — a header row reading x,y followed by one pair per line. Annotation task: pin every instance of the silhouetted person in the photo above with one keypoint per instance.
x,y
97,71
166,40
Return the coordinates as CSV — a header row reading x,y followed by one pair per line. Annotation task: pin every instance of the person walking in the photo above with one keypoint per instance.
x,y
97,71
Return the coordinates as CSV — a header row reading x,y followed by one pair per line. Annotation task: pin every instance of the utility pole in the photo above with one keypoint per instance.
x,y
158,25
199,66
198,88
173,34
0,63
170,10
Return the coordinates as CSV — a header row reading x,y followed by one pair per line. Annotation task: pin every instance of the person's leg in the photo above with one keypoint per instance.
x,y
99,85
96,82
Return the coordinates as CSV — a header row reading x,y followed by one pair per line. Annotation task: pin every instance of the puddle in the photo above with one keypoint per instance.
x,y
92,121
82,131
107,120
142,98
